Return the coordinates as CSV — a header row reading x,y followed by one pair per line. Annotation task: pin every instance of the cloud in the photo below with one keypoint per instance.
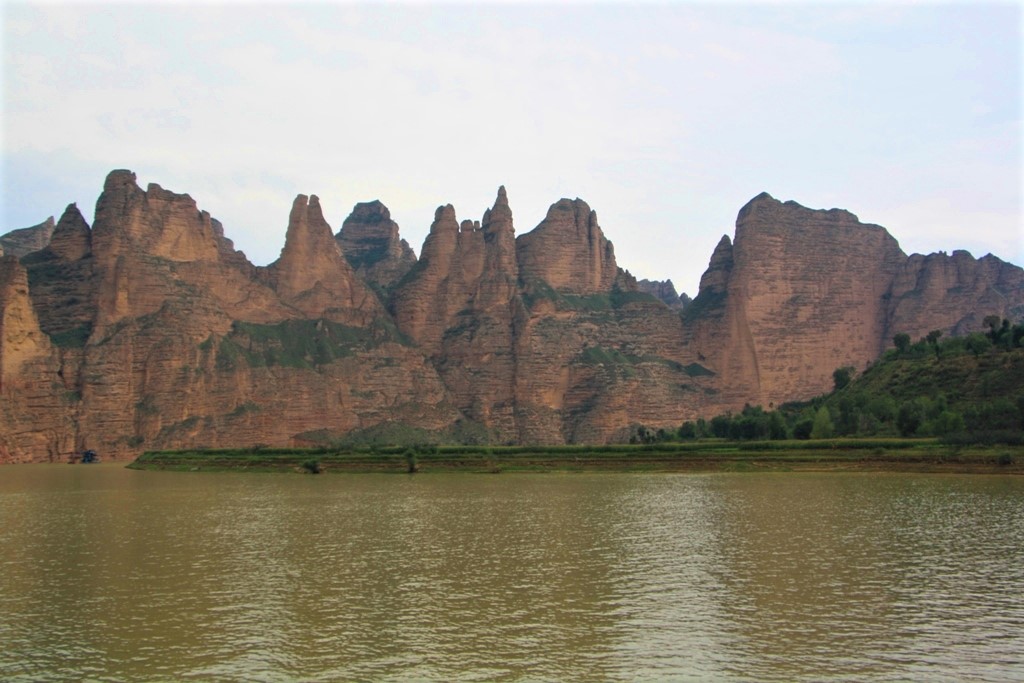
x,y
665,118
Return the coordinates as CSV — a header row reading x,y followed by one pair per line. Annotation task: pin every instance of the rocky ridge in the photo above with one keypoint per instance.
x,y
148,329
24,241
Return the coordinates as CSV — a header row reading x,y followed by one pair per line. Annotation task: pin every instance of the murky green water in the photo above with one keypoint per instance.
x,y
109,574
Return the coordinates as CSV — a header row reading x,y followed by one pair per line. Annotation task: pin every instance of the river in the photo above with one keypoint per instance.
x,y
109,574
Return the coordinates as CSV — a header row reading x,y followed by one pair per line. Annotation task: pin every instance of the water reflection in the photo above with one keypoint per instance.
x,y
111,575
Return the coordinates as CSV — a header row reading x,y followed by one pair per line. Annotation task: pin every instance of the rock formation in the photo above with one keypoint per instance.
x,y
370,241
36,404
952,293
665,292
18,243
149,330
801,292
312,274
568,250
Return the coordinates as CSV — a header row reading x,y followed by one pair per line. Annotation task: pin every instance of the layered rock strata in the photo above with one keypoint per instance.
x,y
24,241
371,244
665,292
149,330
568,250
801,292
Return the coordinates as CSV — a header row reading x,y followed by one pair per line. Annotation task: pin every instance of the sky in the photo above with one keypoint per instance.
x,y
665,117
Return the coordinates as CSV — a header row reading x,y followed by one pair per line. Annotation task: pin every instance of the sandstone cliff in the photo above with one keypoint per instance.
x,y
37,413
568,250
801,292
149,330
312,274
952,293
24,241
371,243
665,292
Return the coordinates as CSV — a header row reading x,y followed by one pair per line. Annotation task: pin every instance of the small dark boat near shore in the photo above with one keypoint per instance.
x,y
85,457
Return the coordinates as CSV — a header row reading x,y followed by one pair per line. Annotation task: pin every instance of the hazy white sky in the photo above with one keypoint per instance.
x,y
666,118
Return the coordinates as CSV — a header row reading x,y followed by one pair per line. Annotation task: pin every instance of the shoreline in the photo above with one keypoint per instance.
x,y
865,456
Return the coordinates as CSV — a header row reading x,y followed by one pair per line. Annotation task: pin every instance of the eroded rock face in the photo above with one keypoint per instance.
x,y
568,250
312,274
36,407
371,243
162,335
665,292
62,280
149,330
952,293
802,292
24,241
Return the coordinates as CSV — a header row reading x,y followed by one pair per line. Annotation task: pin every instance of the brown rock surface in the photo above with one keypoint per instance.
x,y
312,274
664,291
62,281
952,293
36,407
150,330
568,250
442,283
370,241
24,241
802,292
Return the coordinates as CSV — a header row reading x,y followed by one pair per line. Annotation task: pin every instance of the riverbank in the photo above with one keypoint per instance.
x,y
904,455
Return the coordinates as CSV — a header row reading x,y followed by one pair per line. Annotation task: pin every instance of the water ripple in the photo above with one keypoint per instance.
x,y
111,575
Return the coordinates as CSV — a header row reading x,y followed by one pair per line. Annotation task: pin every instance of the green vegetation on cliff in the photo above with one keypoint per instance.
x,y
299,343
964,390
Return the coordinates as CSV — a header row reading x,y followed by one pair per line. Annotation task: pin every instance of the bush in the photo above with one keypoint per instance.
x,y
802,429
822,427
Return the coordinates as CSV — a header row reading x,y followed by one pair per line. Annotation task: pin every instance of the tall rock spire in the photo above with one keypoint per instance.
x,y
313,275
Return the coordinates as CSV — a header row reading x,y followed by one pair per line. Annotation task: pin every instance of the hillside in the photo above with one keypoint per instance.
x,y
968,389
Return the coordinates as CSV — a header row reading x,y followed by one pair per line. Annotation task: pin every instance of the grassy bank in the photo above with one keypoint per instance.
x,y
918,455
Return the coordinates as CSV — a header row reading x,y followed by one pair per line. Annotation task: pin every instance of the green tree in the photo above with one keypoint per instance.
x,y
803,428
901,341
777,426
948,422
720,425
688,430
933,339
992,323
822,428
841,377
909,418
977,343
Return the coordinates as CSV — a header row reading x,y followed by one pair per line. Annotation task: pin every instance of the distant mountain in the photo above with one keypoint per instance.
x,y
149,330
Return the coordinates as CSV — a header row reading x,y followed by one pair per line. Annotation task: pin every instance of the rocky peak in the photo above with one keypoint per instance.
x,y
463,267
155,222
72,238
568,250
765,212
24,241
370,241
953,293
311,273
663,291
792,268
715,278
21,338
500,239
